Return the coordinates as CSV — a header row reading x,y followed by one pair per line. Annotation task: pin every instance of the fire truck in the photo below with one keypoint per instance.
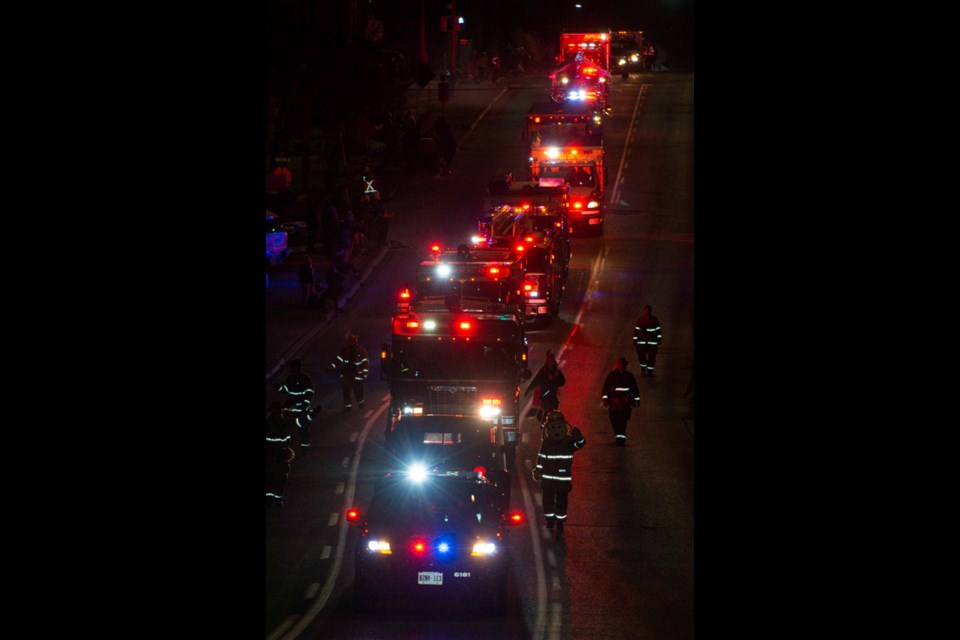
x,y
594,47
580,167
581,81
458,360
568,123
532,221
467,276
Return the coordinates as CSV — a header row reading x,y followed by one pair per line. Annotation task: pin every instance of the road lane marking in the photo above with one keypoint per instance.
x,y
317,605
626,145
346,462
333,519
556,619
325,553
338,489
311,591
354,436
551,559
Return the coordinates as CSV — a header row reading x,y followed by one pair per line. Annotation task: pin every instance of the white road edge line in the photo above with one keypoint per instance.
x,y
321,600
615,196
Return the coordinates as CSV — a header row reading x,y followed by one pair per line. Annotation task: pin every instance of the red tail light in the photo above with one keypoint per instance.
x,y
515,518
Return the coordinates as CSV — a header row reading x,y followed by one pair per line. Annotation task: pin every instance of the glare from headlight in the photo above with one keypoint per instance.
x,y
417,473
486,411
429,325
380,546
484,549
443,270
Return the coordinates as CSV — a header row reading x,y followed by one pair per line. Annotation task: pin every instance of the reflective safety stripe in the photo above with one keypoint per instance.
x,y
621,389
565,479
278,439
567,457
561,517
274,495
300,393
539,466
620,436
548,515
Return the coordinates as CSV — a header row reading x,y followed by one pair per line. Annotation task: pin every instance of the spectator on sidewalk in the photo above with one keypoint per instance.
x,y
307,280
330,223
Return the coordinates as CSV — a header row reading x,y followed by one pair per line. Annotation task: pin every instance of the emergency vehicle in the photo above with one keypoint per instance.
x,y
465,277
563,124
581,81
532,221
626,49
581,169
594,47
468,362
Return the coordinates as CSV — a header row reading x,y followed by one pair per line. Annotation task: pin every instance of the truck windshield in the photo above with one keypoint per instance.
x,y
431,359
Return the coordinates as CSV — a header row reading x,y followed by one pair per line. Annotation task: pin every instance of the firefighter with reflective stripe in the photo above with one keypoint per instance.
x,y
647,336
354,365
620,394
299,389
554,470
279,453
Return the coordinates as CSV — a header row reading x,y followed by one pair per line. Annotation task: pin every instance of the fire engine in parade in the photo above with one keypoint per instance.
x,y
531,221
463,356
580,167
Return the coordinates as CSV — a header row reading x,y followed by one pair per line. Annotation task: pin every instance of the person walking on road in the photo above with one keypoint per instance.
x,y
279,453
647,336
298,386
554,470
620,393
354,365
546,383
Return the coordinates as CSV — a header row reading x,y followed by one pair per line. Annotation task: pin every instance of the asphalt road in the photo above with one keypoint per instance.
x,y
625,567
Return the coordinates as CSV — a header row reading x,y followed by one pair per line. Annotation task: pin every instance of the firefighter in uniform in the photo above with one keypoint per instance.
x,y
299,389
549,379
279,453
554,470
354,365
620,393
646,338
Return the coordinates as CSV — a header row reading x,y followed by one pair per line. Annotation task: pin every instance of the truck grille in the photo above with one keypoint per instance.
x,y
449,399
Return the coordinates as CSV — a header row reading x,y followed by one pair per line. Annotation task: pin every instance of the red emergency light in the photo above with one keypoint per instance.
x,y
418,546
481,470
494,271
352,515
515,518
464,325
435,248
405,294
520,248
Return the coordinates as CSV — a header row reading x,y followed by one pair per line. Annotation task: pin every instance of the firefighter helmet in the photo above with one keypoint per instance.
x,y
555,416
555,430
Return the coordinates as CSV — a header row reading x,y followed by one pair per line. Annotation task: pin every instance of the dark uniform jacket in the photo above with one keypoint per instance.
x,y
299,390
549,381
555,460
353,363
646,331
620,392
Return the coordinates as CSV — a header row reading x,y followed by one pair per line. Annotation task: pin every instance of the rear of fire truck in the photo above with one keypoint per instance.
x,y
459,362
532,221
581,169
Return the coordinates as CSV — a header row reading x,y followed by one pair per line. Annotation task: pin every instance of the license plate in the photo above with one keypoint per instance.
x,y
429,577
